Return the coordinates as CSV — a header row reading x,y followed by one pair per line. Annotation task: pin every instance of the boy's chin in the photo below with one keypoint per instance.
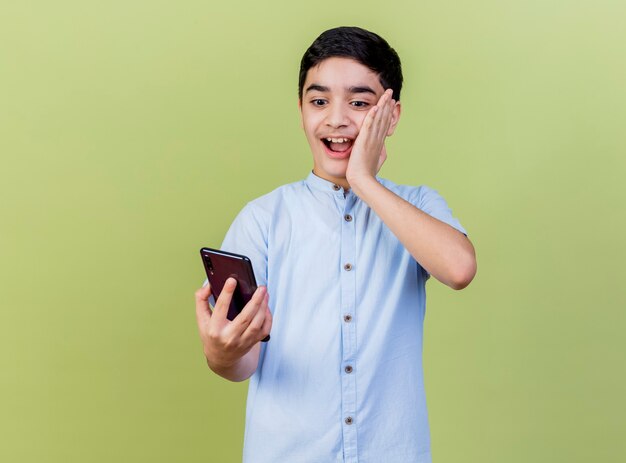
x,y
331,174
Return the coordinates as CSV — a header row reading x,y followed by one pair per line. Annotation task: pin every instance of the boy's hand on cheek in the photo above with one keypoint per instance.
x,y
368,153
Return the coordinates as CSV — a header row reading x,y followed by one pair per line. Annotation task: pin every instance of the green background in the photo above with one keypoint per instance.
x,y
132,132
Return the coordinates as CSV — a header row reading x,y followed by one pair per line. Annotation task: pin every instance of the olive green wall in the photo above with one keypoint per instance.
x,y
132,132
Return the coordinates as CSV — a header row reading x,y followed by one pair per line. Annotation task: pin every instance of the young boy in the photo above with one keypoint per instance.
x,y
345,256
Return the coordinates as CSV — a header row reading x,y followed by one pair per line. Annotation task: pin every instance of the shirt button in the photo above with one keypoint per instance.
x,y
347,318
347,218
347,267
349,420
336,187
348,369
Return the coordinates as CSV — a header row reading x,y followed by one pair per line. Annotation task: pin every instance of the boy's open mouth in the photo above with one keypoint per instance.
x,y
338,145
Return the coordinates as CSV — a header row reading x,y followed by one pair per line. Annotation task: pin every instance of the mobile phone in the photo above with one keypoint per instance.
x,y
221,265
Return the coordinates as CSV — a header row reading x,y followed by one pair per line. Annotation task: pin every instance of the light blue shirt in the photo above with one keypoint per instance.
x,y
341,378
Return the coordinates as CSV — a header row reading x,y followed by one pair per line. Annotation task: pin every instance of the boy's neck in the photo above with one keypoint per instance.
x,y
341,181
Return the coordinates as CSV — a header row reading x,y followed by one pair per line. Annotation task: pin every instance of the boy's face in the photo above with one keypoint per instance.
x,y
336,96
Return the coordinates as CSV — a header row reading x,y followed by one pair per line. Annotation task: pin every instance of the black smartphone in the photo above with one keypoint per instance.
x,y
221,265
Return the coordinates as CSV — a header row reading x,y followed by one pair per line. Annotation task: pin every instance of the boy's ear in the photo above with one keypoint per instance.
x,y
300,110
395,117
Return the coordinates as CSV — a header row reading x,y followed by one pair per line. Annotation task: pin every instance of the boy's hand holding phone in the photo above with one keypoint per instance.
x,y
226,342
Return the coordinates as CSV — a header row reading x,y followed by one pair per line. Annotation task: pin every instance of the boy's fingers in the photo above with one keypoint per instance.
x,y
222,304
385,112
203,310
369,119
383,123
386,94
267,323
384,99
382,158
392,107
259,317
378,115
204,292
246,316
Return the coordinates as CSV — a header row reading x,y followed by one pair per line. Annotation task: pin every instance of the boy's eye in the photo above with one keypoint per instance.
x,y
359,104
318,102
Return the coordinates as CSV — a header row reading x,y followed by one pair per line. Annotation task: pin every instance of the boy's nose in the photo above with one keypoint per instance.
x,y
337,116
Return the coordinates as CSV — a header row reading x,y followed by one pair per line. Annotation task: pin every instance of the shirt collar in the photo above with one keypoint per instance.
x,y
318,183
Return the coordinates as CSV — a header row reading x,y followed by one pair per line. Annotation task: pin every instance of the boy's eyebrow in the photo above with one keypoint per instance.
x,y
317,87
354,89
363,89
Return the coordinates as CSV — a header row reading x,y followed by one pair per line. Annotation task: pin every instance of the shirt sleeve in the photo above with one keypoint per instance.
x,y
248,235
431,202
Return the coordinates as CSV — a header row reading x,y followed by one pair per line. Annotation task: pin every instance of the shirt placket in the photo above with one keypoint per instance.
x,y
349,418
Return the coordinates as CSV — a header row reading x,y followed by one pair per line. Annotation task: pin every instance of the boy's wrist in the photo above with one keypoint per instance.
x,y
218,362
226,370
239,369
362,184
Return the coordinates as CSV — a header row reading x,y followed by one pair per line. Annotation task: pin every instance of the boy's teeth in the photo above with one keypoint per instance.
x,y
337,140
